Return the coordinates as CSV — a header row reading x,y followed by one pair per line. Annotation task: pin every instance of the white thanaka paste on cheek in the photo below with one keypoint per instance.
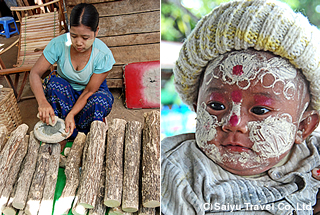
x,y
206,126
206,131
273,136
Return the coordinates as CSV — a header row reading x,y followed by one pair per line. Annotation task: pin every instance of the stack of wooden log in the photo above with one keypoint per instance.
x,y
114,167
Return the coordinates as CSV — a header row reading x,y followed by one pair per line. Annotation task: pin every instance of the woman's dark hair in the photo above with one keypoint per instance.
x,y
85,14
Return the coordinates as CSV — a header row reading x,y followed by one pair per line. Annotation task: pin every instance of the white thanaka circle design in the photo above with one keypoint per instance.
x,y
228,74
242,68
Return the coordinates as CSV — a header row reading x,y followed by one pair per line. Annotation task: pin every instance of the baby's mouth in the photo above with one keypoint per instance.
x,y
235,147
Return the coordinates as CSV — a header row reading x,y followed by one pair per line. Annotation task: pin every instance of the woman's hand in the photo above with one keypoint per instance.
x,y
46,111
70,124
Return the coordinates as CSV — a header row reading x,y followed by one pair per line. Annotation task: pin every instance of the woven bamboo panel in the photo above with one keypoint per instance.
x,y
9,111
36,32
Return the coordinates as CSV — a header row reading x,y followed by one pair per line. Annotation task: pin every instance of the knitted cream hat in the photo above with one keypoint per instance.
x,y
241,24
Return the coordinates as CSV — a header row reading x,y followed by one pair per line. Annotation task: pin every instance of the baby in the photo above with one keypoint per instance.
x,y
251,71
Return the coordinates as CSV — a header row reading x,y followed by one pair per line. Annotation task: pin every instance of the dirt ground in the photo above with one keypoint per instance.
x,y
28,108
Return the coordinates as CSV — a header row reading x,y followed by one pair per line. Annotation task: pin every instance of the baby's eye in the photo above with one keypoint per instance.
x,y
85,38
259,110
217,106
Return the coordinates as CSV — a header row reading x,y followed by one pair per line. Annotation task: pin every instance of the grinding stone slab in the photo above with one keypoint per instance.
x,y
50,134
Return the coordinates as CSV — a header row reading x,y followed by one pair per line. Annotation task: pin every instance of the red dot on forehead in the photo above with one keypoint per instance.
x,y
237,70
264,100
217,97
236,96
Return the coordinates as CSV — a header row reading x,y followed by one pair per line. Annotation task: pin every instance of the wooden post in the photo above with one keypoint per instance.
x,y
72,175
26,173
38,181
8,153
93,166
130,194
100,207
114,163
46,205
151,160
13,174
3,134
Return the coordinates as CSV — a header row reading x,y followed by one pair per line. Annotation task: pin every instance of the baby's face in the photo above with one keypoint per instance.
x,y
248,111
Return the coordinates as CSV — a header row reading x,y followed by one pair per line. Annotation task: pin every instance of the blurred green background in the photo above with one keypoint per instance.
x,y
178,18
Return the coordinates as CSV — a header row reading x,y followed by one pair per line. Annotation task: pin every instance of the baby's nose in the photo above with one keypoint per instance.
x,y
235,124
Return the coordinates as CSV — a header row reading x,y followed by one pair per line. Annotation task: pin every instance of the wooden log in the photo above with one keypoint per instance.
x,y
93,166
78,209
38,181
114,163
67,151
64,203
100,207
13,174
118,211
10,210
46,205
7,155
150,190
146,211
85,153
63,161
130,193
26,173
3,134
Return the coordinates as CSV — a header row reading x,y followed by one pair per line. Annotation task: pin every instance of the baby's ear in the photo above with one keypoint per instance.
x,y
309,123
